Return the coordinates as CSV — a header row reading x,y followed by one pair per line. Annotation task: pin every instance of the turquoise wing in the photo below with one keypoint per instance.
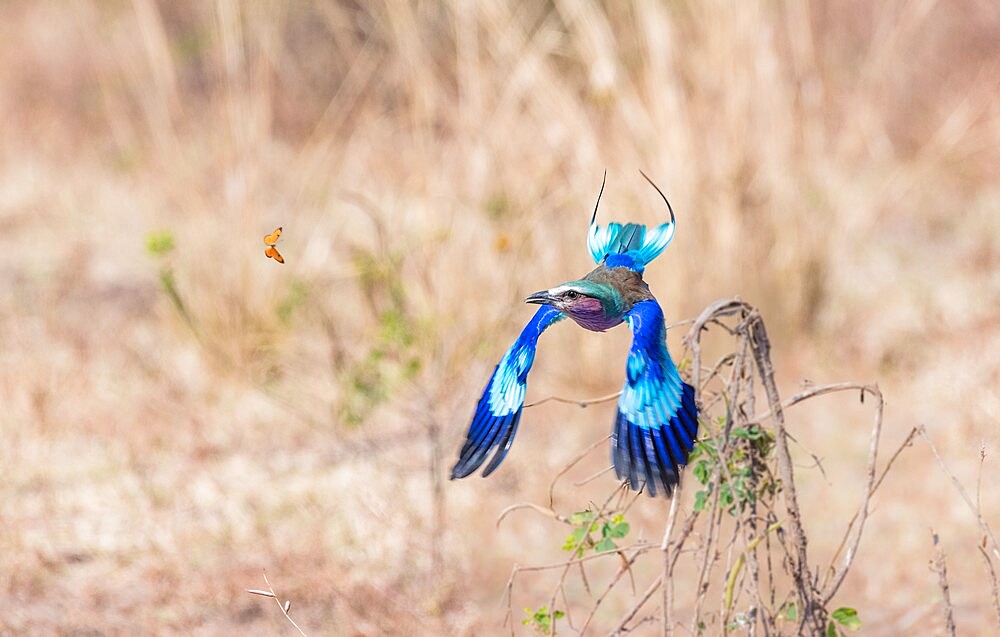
x,y
499,409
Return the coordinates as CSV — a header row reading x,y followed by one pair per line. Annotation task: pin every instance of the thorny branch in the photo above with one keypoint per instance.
x,y
733,532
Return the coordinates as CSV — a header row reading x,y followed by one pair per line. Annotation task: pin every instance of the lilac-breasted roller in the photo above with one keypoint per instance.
x,y
657,420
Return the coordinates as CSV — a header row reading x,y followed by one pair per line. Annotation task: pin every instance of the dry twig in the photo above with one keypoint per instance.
x,y
942,571
994,587
847,532
668,590
983,526
284,607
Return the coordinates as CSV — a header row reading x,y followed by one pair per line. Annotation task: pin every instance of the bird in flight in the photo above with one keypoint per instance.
x,y
270,251
657,420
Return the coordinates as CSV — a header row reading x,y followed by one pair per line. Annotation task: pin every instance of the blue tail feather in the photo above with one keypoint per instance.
x,y
642,244
503,447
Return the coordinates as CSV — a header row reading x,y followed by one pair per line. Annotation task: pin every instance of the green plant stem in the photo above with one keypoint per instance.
x,y
740,560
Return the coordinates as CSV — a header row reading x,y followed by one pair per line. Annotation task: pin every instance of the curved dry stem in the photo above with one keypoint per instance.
x,y
620,628
639,547
668,590
994,584
572,463
594,476
534,507
625,568
983,526
843,541
572,401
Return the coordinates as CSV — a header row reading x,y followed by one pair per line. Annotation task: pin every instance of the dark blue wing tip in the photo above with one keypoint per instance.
x,y
487,433
651,458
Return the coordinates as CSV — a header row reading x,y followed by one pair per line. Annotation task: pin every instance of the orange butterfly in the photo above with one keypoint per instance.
x,y
270,251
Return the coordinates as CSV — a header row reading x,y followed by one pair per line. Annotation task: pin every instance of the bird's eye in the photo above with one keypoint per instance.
x,y
572,294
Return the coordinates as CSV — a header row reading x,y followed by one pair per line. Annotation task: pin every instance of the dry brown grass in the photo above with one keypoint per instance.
x,y
837,165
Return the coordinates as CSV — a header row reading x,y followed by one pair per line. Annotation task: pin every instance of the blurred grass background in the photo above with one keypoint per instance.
x,y
180,412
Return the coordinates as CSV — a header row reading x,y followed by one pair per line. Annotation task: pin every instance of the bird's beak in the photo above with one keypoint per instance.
x,y
541,298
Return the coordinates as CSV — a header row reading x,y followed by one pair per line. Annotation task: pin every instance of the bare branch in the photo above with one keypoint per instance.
x,y
638,546
593,476
625,568
983,526
994,586
720,308
284,607
534,507
668,590
869,488
572,463
812,610
572,401
618,630
942,570
892,459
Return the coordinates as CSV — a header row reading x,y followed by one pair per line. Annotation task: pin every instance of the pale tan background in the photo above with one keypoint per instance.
x,y
834,163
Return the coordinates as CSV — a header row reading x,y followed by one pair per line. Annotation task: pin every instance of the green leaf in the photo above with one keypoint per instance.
x,y
695,453
394,328
541,620
848,618
605,545
831,630
581,517
618,531
411,368
789,612
701,471
700,500
725,495
159,243
574,539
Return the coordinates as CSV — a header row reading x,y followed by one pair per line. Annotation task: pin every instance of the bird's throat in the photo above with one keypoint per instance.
x,y
590,315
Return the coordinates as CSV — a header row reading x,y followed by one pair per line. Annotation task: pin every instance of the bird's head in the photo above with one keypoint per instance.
x,y
595,306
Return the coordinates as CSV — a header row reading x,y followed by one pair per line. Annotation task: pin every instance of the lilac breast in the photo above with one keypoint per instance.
x,y
589,314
